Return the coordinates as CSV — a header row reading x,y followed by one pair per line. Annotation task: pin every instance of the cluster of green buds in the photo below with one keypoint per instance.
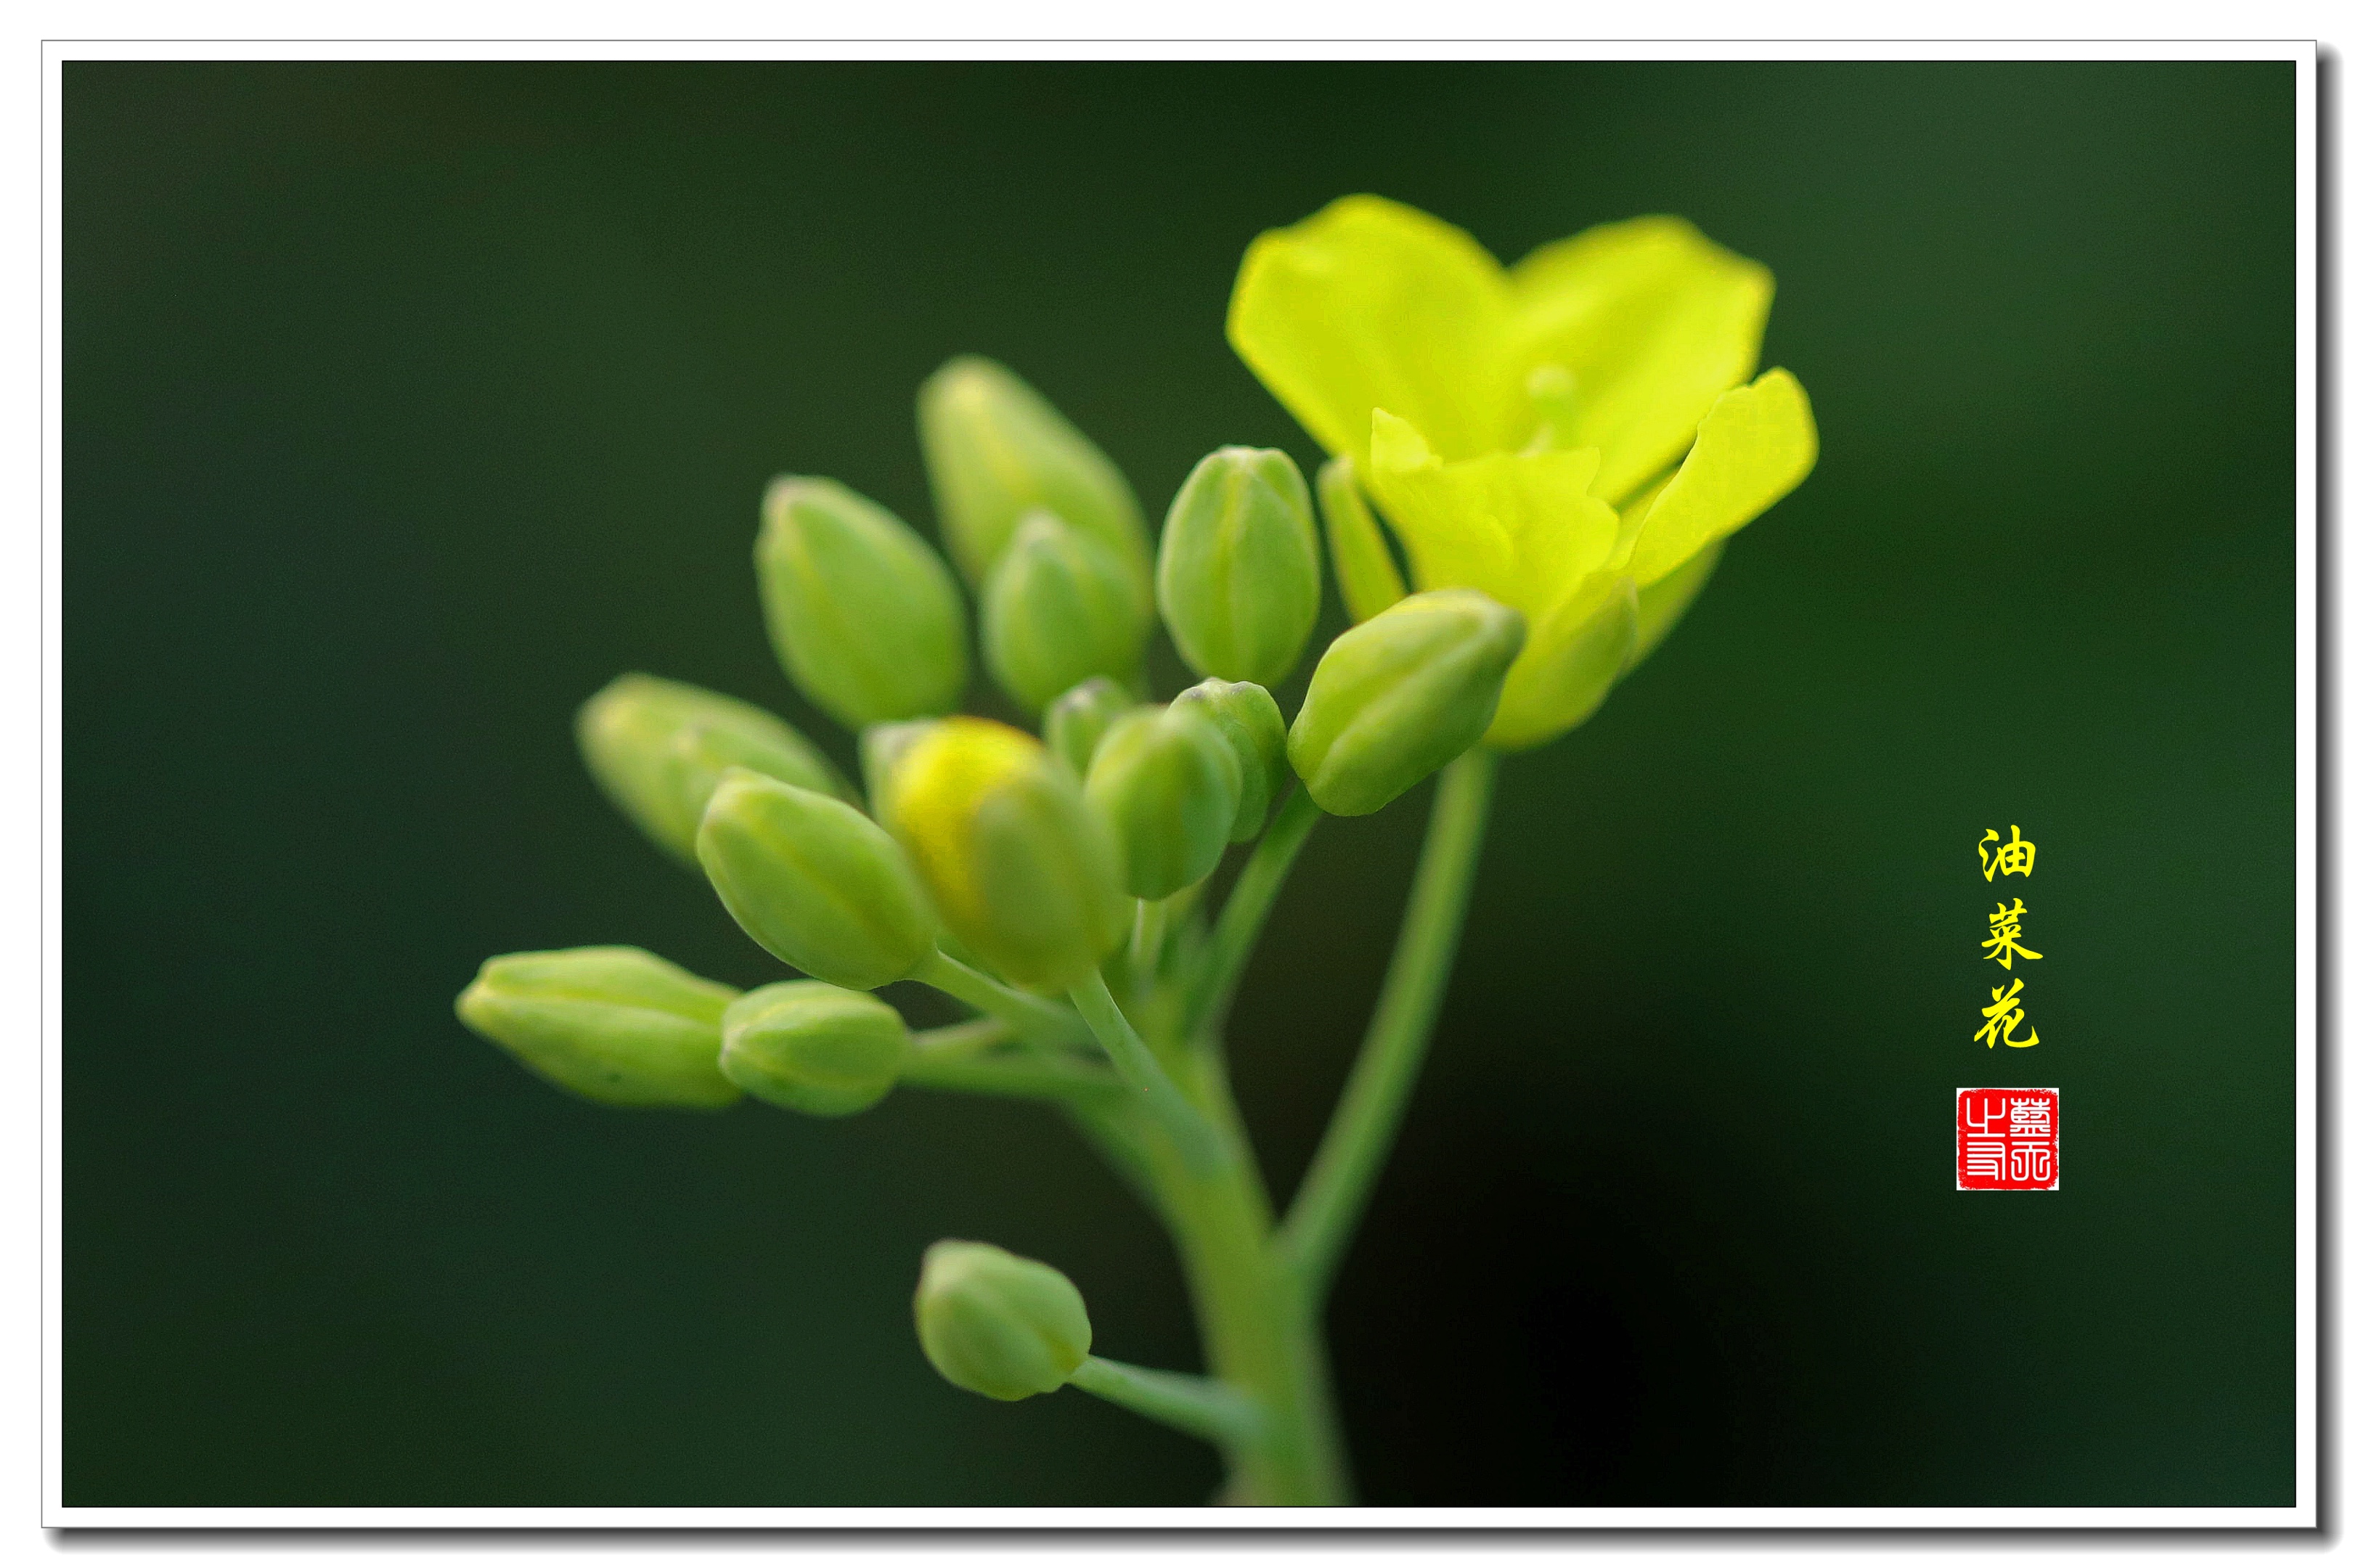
x,y
1055,883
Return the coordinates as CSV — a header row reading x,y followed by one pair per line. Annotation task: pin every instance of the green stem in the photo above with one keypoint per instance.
x,y
1201,1407
1246,911
1335,1191
1038,1019
1027,1076
956,1042
1261,1333
1142,1072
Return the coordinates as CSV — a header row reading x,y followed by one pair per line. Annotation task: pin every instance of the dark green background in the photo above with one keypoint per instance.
x,y
405,405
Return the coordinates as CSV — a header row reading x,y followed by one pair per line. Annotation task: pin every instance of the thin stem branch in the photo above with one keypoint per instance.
x,y
1335,1193
956,1042
1036,1018
1201,1407
1024,1076
1246,911
1196,1138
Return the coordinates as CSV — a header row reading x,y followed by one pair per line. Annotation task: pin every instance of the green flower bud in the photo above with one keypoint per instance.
x,y
863,613
1020,869
998,1325
1167,781
813,881
995,449
1058,609
1238,577
657,748
813,1047
1400,694
1077,721
616,1025
1255,730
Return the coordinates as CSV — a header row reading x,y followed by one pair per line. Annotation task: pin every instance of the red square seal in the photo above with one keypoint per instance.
x,y
2006,1140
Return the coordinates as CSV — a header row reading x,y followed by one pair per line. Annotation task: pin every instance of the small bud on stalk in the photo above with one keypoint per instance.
x,y
1077,721
998,1325
1255,730
1238,576
813,1047
995,449
1400,694
657,748
1020,869
813,881
864,616
1167,782
1059,606
614,1024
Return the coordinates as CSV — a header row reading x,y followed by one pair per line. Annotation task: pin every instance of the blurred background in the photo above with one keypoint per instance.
x,y
407,404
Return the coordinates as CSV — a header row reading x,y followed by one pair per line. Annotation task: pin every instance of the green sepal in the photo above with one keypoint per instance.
x,y
1569,665
1363,567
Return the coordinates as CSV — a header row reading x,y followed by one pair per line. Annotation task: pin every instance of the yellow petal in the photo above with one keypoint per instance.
x,y
1570,661
1663,606
1757,443
1522,527
1652,323
1369,304
1354,542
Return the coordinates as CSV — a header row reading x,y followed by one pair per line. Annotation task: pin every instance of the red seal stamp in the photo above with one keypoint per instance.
x,y
2006,1139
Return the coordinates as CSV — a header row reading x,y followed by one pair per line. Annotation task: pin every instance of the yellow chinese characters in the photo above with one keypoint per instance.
x,y
2013,859
2005,936
2004,945
2001,1017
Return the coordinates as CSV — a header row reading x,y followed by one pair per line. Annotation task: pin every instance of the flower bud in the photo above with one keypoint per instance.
x,y
615,1024
1167,782
995,449
881,746
1255,730
657,748
1400,694
816,882
1023,871
813,1047
1238,576
863,613
1058,609
1077,721
998,1325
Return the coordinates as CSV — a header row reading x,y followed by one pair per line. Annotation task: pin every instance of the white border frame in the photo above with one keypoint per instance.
x,y
2303,1514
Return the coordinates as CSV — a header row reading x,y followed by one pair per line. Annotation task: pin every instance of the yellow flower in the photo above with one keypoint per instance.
x,y
1575,436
